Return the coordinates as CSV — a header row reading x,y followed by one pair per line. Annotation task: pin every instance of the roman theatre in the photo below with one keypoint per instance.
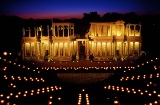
x,y
107,42
104,41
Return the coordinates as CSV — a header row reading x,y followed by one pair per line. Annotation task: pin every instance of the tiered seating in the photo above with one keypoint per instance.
x,y
21,84
24,84
143,82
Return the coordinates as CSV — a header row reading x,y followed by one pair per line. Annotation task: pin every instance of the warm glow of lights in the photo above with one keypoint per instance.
x,y
154,92
155,102
16,96
11,94
8,97
83,90
60,88
115,102
2,101
50,102
24,95
59,98
5,53
150,94
50,97
19,93
1,95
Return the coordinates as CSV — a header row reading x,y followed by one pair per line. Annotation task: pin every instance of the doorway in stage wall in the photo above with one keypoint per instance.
x,y
81,45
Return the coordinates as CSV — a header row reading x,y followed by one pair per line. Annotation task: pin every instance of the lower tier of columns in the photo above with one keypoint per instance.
x,y
65,50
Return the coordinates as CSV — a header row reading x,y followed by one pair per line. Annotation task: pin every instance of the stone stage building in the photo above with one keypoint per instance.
x,y
104,40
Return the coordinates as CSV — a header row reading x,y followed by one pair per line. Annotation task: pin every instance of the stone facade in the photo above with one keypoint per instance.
x,y
104,40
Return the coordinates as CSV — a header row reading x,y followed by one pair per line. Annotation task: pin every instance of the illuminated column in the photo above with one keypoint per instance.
x,y
58,30
91,52
128,48
101,27
54,30
39,49
58,49
111,48
115,48
123,30
77,55
139,47
63,30
91,47
116,28
49,48
37,29
42,49
106,50
30,49
63,49
41,30
110,30
53,49
101,49
35,49
69,48
87,47
77,46
134,29
96,48
133,46
122,44
87,57
129,29
96,29
29,32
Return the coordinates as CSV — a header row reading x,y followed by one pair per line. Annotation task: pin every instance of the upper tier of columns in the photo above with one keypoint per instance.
x,y
118,29
57,30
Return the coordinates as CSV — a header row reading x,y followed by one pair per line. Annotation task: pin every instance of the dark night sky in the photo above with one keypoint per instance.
x,y
74,8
